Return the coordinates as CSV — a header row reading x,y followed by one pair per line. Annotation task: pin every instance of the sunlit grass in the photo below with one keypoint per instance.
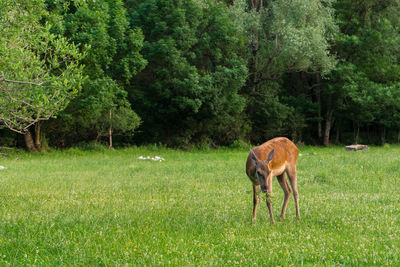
x,y
109,208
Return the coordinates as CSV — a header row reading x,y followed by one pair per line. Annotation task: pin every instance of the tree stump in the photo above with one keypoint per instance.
x,y
357,147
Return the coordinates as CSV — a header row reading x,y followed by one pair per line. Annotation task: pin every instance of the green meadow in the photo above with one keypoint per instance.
x,y
90,208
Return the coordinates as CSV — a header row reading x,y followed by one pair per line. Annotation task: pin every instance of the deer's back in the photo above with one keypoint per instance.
x,y
285,152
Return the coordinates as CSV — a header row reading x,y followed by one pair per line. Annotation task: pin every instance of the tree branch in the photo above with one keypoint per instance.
x,y
2,79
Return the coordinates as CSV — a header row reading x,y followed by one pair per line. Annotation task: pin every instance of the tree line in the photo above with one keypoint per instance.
x,y
198,72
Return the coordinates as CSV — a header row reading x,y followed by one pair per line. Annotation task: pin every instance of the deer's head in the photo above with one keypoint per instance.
x,y
263,169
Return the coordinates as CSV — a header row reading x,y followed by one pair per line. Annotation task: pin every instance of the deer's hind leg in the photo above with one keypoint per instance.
x,y
286,190
291,172
256,200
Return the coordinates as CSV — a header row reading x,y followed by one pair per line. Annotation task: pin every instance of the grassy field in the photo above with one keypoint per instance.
x,y
109,208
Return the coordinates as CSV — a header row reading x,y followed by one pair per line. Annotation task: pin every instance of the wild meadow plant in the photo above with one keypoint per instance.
x,y
103,207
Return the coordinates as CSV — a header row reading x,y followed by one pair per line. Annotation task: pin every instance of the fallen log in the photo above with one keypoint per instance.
x,y
357,147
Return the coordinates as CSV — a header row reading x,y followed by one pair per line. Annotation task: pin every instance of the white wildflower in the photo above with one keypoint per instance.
x,y
156,158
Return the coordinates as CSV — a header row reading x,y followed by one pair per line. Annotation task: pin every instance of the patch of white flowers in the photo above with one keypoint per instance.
x,y
2,168
156,158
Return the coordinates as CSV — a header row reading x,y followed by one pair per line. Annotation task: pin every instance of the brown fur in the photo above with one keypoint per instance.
x,y
283,162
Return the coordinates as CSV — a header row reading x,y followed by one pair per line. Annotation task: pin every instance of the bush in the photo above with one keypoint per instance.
x,y
239,144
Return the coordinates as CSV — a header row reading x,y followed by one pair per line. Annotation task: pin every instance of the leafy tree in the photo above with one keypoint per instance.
x,y
196,70
39,71
112,46
366,81
282,37
216,70
107,113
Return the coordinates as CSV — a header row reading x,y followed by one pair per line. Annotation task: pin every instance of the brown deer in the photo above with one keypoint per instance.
x,y
273,158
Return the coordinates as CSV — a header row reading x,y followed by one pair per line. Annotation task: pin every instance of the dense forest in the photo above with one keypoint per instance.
x,y
186,73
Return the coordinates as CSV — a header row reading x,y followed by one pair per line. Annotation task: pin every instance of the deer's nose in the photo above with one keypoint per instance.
x,y
263,189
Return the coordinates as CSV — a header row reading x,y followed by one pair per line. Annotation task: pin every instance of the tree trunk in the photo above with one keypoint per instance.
x,y
328,121
110,139
328,124
30,145
357,133
38,143
318,96
255,55
257,6
62,141
337,139
398,136
97,137
383,135
255,60
110,132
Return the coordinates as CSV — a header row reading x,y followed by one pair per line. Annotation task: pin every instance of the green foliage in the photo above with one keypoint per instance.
x,y
39,71
268,115
367,79
282,37
201,73
102,29
295,35
195,69
103,96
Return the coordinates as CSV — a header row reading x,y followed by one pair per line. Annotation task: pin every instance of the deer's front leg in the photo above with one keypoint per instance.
x,y
256,188
269,194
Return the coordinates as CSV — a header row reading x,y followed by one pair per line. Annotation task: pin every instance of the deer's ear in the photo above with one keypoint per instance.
x,y
270,155
253,157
